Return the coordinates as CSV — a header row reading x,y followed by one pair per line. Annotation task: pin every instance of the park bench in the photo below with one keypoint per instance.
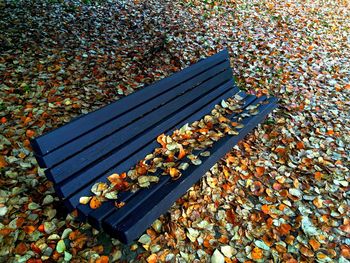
x,y
114,138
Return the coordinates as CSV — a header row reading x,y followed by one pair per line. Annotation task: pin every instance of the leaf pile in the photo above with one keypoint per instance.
x,y
282,194
197,136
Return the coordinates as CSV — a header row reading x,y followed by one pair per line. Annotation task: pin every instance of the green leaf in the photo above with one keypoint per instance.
x,y
61,246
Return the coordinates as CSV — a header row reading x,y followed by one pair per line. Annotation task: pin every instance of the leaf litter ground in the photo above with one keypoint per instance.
x,y
282,194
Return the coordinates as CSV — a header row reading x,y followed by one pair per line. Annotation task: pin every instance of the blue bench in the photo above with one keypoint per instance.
x,y
114,138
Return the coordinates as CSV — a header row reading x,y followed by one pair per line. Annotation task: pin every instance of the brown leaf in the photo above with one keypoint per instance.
x,y
3,162
30,133
284,229
300,145
260,170
314,244
306,252
21,248
29,229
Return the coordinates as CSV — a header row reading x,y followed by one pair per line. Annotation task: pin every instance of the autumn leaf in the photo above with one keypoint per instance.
x,y
257,253
318,176
265,209
30,133
95,202
5,231
300,145
29,229
182,152
160,140
102,259
314,244
284,229
260,171
152,258
21,248
114,178
3,162
174,173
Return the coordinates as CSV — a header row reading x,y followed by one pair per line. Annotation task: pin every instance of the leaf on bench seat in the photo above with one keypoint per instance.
x,y
195,137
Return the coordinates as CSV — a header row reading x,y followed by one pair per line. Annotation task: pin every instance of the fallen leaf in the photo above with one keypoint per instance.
x,y
257,253
95,202
314,244
260,170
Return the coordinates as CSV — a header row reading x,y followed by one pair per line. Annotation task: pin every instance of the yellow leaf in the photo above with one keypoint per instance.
x,y
84,199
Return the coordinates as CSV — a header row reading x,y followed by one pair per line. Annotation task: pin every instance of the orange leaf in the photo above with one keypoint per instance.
x,y
152,258
317,202
257,253
284,229
29,229
5,231
182,152
102,259
318,176
119,204
20,221
280,150
300,145
306,252
160,140
290,240
222,119
30,133
281,207
141,170
115,179
174,172
265,209
223,239
345,252
203,130
3,120
3,162
330,132
21,248
95,202
260,170
41,228
314,244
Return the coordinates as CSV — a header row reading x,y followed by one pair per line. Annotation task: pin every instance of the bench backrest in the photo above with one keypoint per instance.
x,y
115,137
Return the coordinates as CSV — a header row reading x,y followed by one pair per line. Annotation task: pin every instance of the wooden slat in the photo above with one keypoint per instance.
x,y
126,153
58,137
122,121
105,146
136,223
96,216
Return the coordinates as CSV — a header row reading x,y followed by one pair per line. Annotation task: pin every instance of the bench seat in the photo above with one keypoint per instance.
x,y
114,138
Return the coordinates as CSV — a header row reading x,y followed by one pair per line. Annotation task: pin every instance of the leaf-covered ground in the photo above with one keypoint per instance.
x,y
281,195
